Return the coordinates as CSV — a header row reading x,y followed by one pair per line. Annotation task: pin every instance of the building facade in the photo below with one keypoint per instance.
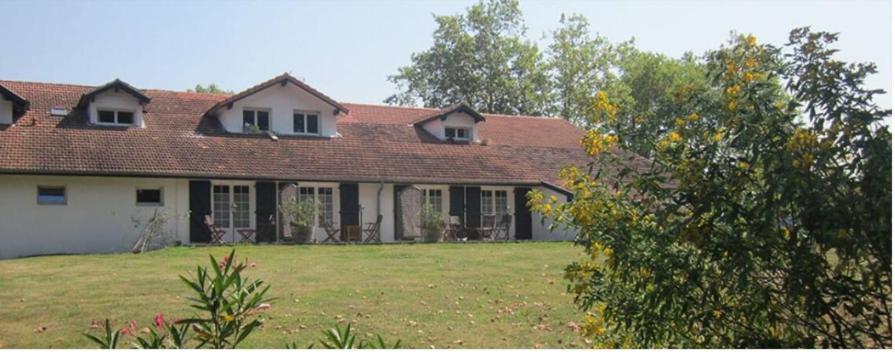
x,y
80,166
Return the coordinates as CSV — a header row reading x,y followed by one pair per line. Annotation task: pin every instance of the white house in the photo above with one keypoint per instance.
x,y
79,163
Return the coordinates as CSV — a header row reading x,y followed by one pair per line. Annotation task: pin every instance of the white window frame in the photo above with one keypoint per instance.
x,y
304,114
116,111
426,196
247,129
456,129
510,206
161,199
64,194
317,187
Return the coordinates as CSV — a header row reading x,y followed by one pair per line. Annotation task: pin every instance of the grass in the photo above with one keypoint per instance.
x,y
443,295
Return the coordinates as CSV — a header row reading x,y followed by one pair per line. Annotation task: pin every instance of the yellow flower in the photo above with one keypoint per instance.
x,y
751,40
733,90
595,142
732,105
719,135
675,137
751,63
693,117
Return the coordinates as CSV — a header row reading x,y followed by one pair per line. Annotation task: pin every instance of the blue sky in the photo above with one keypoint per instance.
x,y
348,48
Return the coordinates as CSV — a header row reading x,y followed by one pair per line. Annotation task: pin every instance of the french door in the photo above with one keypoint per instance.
x,y
232,207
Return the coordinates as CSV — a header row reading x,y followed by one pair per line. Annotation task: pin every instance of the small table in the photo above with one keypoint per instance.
x,y
248,235
351,233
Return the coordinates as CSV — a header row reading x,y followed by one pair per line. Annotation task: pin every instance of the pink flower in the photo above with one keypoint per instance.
x,y
124,331
252,264
159,320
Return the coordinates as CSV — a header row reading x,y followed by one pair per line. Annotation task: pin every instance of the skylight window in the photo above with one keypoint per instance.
x,y
58,111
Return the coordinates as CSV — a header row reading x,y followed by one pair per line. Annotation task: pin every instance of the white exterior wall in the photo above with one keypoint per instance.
x,y
112,100
540,229
367,192
282,101
457,119
5,111
96,218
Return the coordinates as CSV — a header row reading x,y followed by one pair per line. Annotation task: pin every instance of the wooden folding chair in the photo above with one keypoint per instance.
x,y
332,232
453,230
502,230
371,231
487,229
217,233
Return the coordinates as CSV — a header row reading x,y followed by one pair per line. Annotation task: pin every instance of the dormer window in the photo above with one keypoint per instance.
x,y
115,117
306,122
456,133
255,120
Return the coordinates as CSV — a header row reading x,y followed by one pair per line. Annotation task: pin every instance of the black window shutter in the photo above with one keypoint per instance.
x,y
473,207
200,205
523,214
457,202
349,204
265,209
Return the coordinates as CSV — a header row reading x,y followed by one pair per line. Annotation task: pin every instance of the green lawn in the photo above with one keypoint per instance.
x,y
442,295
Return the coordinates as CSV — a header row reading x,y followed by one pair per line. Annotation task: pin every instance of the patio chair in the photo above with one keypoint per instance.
x,y
454,230
217,233
332,232
502,230
487,229
371,231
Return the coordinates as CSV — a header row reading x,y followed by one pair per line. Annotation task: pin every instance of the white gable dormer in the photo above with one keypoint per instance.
x,y
456,123
12,105
5,111
283,106
116,104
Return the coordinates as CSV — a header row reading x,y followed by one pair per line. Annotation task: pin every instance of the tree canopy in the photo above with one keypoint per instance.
x,y
478,58
211,88
762,219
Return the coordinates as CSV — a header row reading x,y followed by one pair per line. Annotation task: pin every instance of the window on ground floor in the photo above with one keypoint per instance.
x,y
432,197
149,196
325,202
52,195
494,205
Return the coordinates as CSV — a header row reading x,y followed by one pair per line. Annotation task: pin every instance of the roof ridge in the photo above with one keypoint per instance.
x,y
48,83
97,86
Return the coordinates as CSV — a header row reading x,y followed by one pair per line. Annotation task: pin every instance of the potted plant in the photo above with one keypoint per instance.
x,y
432,223
301,214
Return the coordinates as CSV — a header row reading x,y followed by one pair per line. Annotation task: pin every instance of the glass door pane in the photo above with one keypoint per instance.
x,y
500,202
241,210
221,205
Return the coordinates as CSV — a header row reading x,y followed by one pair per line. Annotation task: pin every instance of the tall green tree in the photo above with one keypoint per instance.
x,y
763,218
652,92
479,58
581,64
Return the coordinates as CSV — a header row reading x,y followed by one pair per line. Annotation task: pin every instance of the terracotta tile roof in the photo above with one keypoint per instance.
x,y
377,143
